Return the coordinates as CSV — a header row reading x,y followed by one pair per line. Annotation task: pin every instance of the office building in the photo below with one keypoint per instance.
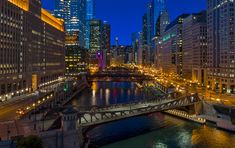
x,y
134,43
90,14
159,6
76,57
95,50
194,34
170,47
31,47
154,10
73,12
106,42
221,50
145,28
150,23
121,55
162,22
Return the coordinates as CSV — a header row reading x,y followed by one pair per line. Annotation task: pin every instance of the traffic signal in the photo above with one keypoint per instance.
x,y
66,86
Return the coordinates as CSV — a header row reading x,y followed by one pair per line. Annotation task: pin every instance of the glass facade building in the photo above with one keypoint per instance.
x,y
154,9
73,12
75,56
90,14
158,7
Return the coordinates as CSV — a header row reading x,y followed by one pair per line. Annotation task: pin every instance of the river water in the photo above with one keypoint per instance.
x,y
149,131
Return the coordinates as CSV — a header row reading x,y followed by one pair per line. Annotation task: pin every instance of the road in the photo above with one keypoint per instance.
x,y
186,86
8,110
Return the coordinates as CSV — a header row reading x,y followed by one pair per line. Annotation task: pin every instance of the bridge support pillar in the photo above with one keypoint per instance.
x,y
197,108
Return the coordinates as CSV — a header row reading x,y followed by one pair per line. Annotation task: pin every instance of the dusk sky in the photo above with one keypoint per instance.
x,y
125,16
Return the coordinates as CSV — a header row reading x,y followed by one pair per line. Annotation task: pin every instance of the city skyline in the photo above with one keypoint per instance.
x,y
117,18
64,85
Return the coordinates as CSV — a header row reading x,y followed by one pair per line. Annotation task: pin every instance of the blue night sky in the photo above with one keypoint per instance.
x,y
125,16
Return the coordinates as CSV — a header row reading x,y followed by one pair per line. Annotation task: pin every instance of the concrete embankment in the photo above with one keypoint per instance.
x,y
221,116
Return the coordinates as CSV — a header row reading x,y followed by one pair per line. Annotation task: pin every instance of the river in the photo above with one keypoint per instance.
x,y
149,131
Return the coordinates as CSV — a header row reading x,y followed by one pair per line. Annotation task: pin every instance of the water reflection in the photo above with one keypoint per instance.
x,y
149,131
170,132
107,96
106,93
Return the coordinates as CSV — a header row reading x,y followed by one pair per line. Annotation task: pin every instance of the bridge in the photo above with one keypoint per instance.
x,y
119,74
101,115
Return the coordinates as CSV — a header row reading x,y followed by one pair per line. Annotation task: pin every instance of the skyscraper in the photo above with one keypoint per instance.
x,y
162,22
154,9
140,49
170,47
145,28
90,14
194,34
96,58
75,56
134,41
106,35
150,23
158,7
106,42
221,50
73,12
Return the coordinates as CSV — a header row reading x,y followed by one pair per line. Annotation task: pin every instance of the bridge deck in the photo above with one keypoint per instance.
x,y
117,112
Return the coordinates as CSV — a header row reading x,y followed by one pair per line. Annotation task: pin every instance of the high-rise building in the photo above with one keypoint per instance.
x,y
145,28
140,49
134,42
162,22
95,50
159,7
90,9
154,9
150,23
90,14
194,34
73,12
121,55
221,50
106,42
106,35
31,47
76,57
170,47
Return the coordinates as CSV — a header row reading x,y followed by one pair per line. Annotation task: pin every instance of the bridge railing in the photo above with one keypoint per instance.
x,y
106,115
140,102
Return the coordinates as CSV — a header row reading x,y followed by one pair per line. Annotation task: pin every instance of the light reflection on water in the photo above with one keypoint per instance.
x,y
169,132
105,93
150,131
